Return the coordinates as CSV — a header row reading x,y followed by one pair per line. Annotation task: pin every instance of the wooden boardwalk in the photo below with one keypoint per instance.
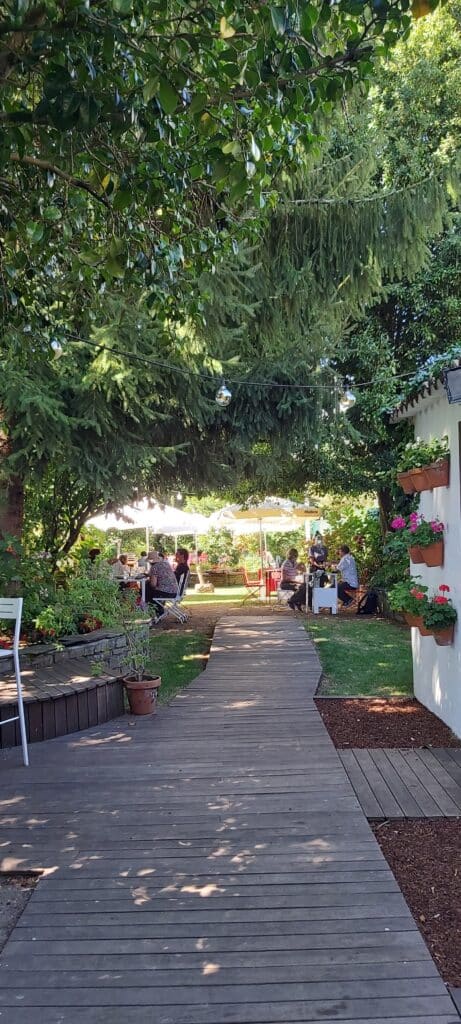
x,y
209,866
404,783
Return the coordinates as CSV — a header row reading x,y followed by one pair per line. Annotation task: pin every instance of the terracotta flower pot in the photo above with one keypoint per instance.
x,y
438,473
433,554
413,620
406,482
419,480
142,694
424,630
444,637
416,554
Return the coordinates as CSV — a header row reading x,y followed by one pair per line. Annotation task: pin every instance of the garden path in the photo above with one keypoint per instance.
x,y
210,865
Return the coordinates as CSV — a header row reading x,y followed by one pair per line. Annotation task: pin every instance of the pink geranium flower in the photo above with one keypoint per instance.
x,y
440,600
398,523
436,526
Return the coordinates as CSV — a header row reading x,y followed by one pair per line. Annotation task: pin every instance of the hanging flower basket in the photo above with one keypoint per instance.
x,y
438,474
444,637
406,482
416,554
433,554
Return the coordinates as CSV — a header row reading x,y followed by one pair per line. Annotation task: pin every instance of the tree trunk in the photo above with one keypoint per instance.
x,y
385,503
12,508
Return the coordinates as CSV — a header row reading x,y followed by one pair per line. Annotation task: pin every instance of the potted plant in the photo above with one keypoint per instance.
x,y
424,465
141,685
424,538
440,616
409,597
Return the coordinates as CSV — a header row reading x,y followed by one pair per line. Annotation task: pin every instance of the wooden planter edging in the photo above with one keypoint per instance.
x,y
61,692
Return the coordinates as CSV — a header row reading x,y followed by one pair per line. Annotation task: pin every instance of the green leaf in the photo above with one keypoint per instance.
x,y
278,20
51,213
309,18
122,200
198,102
168,96
150,89
34,231
122,6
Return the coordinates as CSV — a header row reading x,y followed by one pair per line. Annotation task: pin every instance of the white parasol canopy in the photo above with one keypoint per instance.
x,y
151,515
277,514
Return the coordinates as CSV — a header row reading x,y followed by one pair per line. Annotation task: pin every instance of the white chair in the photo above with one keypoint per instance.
x,y
11,608
171,604
325,597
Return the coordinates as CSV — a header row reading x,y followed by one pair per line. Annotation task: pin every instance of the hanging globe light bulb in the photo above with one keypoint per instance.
x,y
57,347
347,400
223,396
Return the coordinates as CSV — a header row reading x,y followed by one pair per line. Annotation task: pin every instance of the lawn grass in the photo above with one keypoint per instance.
x,y
178,659
363,657
223,595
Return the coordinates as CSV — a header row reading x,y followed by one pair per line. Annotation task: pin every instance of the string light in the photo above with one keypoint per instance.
x,y
238,381
223,396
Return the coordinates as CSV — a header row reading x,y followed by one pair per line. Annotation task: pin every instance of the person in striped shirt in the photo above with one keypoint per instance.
x,y
289,571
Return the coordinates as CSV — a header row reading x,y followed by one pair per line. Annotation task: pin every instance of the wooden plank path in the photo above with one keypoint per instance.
x,y
209,866
393,783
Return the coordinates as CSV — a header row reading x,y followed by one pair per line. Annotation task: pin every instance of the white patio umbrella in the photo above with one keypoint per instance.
x,y
277,514
151,515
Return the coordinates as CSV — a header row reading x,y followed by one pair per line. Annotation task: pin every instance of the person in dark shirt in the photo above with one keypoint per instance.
x,y
182,564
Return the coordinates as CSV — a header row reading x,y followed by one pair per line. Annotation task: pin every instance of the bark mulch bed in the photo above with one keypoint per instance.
x,y
15,892
425,857
380,722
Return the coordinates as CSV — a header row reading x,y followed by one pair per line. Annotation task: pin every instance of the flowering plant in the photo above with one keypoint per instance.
x,y
422,453
408,596
417,530
439,612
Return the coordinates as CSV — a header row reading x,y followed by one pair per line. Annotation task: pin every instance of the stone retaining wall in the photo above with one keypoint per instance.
x,y
104,647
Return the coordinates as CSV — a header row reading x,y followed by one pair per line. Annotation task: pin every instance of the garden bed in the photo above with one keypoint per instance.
x,y
358,722
15,893
425,857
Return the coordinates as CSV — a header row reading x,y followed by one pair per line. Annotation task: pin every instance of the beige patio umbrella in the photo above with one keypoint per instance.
x,y
278,514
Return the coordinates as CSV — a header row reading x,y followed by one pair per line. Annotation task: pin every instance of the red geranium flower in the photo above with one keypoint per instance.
x,y
440,600
443,587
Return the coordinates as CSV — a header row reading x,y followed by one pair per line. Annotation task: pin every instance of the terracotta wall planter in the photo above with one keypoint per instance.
x,y
413,620
423,630
420,480
142,694
416,554
433,554
444,637
438,473
406,482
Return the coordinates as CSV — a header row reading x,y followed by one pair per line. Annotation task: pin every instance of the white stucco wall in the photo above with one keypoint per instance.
x,y
437,670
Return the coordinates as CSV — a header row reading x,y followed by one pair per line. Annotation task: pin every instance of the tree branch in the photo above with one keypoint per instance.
x,y
45,165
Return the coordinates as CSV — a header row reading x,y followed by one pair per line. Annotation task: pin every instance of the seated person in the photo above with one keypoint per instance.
x,y
143,562
350,580
318,553
162,581
182,564
289,571
119,570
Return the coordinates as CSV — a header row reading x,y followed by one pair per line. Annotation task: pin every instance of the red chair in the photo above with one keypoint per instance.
x,y
253,586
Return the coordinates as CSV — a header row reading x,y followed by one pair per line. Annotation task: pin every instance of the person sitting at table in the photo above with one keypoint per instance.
x,y
162,581
349,583
289,571
143,562
318,553
182,564
317,557
119,570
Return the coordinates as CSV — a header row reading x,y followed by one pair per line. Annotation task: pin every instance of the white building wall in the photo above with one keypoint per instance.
x,y
437,670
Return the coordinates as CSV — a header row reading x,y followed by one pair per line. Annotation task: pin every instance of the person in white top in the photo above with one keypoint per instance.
x,y
350,580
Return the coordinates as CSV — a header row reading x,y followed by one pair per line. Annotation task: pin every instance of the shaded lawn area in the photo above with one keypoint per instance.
x,y
178,658
363,657
223,595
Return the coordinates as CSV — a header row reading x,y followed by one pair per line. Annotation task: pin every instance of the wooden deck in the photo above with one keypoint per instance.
x,y
211,865
404,783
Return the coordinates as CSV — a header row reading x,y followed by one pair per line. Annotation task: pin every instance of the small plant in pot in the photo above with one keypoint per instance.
x,y
440,617
424,538
423,465
409,597
140,684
